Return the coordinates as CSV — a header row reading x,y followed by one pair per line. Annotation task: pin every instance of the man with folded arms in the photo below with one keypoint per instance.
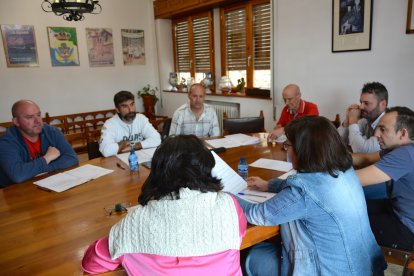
x,y
30,147
127,128
358,128
392,219
295,108
195,117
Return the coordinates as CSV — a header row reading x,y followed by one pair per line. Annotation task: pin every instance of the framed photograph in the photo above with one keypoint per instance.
x,y
351,25
133,46
410,18
63,45
100,47
19,45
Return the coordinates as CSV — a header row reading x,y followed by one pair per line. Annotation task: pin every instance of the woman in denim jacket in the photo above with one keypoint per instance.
x,y
321,210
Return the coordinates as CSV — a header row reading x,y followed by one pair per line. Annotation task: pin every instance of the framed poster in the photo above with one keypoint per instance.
x,y
100,47
63,45
351,25
133,46
19,45
410,18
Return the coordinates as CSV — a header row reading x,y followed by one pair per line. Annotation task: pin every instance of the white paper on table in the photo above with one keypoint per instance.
x,y
271,164
285,175
222,142
144,155
63,181
243,139
234,184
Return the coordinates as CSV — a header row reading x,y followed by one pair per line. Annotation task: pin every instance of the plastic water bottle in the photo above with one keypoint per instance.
x,y
133,160
243,168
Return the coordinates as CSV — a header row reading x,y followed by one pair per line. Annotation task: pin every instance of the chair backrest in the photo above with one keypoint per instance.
x,y
243,125
77,141
93,136
166,129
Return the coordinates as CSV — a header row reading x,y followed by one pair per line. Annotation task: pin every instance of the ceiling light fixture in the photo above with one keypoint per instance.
x,y
71,9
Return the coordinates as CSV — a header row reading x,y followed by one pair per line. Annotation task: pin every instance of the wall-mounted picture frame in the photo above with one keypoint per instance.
x,y
410,18
133,46
100,46
351,25
19,43
63,45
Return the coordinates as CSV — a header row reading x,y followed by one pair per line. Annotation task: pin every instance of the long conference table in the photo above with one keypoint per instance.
x,y
47,233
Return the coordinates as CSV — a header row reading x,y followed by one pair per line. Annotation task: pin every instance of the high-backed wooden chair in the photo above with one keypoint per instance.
x,y
400,257
77,141
4,126
243,125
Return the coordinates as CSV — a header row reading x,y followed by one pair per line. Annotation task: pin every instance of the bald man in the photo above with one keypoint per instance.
x,y
30,147
295,108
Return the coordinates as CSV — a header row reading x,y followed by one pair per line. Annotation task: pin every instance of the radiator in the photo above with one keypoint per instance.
x,y
232,110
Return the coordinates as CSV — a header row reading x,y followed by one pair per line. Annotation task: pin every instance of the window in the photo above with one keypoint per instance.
x,y
193,46
245,43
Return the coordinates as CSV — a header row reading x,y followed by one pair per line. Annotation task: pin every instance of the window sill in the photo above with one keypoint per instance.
x,y
225,94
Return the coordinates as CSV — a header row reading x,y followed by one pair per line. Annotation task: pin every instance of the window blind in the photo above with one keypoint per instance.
x,y
182,47
202,47
261,36
235,28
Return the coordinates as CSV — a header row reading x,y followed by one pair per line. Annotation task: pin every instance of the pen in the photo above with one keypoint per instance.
x,y
252,195
120,166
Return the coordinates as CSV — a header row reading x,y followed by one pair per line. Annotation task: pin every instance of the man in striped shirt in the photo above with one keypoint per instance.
x,y
195,117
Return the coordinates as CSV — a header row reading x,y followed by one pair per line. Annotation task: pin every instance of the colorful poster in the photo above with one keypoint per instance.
x,y
19,45
63,45
133,46
100,47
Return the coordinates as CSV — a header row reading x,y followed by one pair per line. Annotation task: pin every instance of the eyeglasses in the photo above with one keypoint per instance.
x,y
286,145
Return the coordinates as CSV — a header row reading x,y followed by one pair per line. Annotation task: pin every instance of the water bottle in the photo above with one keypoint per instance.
x,y
133,160
243,168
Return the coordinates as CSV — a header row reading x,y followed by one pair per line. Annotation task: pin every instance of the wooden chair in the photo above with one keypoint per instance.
x,y
243,125
166,129
337,121
400,257
93,136
77,141
4,126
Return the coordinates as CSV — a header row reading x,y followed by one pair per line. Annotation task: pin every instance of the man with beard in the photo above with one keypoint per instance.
x,y
195,117
127,128
392,218
30,147
295,108
358,128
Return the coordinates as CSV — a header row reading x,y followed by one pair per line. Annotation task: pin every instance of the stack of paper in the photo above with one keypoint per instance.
x,y
144,155
234,140
271,164
234,184
62,181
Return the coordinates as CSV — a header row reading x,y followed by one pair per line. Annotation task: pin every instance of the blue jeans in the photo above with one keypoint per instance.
x,y
377,191
263,259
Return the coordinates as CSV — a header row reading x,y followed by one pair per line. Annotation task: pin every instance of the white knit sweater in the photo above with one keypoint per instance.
x,y
197,224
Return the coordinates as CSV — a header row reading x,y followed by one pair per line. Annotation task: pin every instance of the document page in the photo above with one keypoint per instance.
x,y
144,155
271,164
234,184
233,141
63,181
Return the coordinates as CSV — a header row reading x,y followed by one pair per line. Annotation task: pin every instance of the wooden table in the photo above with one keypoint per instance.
x,y
47,233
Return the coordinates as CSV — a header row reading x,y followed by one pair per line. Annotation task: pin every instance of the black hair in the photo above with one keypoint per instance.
x,y
122,96
318,146
376,88
180,162
405,119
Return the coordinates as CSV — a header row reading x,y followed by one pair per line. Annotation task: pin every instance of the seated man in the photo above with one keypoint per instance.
x,y
392,219
295,108
358,128
127,128
195,117
30,147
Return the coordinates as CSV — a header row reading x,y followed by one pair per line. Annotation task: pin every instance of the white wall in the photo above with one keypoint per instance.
x,y
62,90
303,56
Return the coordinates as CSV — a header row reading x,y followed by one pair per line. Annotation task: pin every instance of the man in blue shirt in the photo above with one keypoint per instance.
x,y
392,219
30,147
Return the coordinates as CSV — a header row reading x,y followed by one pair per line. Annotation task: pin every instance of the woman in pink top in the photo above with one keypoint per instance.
x,y
184,224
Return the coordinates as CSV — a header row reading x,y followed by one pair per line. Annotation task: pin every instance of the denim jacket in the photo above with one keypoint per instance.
x,y
323,224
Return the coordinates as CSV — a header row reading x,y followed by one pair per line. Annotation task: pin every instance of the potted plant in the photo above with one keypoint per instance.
x,y
149,99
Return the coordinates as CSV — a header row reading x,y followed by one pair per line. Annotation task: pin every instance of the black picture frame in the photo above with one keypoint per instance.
x,y
351,25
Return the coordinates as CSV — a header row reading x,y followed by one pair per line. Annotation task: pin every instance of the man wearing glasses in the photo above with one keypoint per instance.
x,y
295,108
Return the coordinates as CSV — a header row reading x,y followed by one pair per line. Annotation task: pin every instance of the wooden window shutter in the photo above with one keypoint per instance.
x,y
235,39
261,36
203,50
182,47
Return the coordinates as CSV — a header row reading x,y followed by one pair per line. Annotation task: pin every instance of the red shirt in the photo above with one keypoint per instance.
x,y
305,109
35,148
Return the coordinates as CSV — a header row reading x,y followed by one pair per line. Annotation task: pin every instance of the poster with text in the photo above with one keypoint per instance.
x,y
100,47
63,45
19,45
133,46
